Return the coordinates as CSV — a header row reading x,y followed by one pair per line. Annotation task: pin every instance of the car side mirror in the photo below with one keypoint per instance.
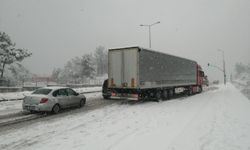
x,y
76,94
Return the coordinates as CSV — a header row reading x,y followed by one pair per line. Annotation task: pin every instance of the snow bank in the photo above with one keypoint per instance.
x,y
214,120
222,124
10,107
243,83
13,95
88,89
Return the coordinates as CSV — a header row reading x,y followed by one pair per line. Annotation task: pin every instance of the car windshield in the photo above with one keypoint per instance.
x,y
42,91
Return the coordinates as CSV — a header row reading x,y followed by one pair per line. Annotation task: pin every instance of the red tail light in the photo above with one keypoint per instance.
x,y
113,94
135,95
44,100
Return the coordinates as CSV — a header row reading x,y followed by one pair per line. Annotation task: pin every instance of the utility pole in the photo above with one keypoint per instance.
x,y
224,65
221,69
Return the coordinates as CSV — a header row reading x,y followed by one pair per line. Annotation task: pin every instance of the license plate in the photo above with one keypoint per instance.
x,y
30,107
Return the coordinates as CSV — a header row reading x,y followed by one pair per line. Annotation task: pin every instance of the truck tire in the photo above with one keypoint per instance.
x,y
165,94
32,111
158,96
106,97
190,91
171,93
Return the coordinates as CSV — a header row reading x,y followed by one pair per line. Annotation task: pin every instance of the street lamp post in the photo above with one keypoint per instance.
x,y
221,69
149,30
224,65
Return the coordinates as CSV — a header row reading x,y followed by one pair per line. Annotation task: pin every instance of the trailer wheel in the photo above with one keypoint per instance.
x,y
106,97
158,95
165,95
190,91
171,93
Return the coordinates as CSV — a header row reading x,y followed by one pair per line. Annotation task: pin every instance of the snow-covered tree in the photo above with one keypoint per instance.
x,y
67,73
8,53
101,59
87,64
240,68
19,73
56,74
75,70
242,71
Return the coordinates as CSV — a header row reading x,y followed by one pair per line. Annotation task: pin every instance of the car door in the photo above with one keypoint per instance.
x,y
63,98
74,99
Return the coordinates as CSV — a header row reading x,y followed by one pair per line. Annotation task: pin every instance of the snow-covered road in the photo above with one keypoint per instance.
x,y
215,120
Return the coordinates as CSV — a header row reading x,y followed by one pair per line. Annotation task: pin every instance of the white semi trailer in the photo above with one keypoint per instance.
x,y
137,73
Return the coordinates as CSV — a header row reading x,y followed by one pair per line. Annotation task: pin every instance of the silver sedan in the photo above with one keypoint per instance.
x,y
52,99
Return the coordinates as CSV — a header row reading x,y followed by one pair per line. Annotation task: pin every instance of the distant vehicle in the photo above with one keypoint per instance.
x,y
106,93
216,82
52,99
136,73
205,81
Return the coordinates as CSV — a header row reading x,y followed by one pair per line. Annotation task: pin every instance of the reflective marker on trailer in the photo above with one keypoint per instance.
x,y
112,82
132,82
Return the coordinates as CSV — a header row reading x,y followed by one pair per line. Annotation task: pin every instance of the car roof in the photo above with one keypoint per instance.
x,y
55,87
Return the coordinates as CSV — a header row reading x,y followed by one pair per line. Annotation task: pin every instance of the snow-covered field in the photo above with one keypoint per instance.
x,y
214,120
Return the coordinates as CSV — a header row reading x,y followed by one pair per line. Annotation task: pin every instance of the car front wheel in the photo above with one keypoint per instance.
x,y
82,103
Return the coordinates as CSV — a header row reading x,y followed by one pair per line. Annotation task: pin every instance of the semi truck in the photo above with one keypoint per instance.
x,y
137,73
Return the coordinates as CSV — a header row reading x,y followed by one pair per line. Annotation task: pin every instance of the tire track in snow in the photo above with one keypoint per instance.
x,y
196,115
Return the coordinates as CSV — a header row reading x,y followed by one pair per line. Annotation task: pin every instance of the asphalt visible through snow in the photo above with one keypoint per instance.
x,y
20,119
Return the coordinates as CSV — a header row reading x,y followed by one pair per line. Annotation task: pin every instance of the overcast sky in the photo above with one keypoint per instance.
x,y
57,30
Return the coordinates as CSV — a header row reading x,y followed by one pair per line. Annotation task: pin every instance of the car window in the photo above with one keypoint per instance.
x,y
42,91
55,93
62,92
71,92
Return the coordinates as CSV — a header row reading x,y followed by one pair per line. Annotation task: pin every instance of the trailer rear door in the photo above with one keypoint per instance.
x,y
115,68
130,67
123,68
